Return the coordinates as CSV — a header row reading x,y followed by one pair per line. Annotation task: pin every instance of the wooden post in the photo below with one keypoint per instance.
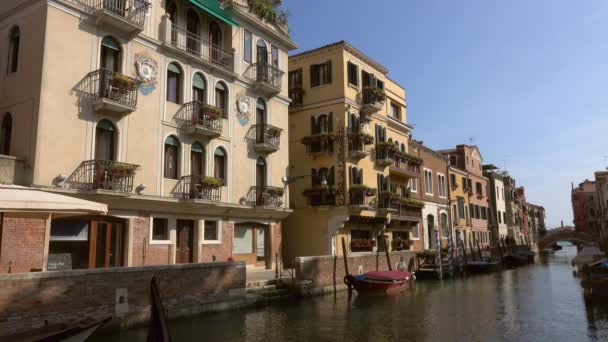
x,y
502,256
472,250
345,257
479,251
464,252
388,257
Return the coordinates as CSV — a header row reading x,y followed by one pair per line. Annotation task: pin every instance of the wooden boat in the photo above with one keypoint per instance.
x,y
528,255
379,281
514,260
78,332
485,266
158,330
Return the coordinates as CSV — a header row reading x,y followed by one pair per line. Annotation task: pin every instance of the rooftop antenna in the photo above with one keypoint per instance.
x,y
471,140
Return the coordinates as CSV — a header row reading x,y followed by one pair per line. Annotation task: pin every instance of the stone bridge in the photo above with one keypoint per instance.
x,y
566,234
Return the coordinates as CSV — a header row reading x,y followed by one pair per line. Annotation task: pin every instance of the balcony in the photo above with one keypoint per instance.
x,y
112,92
266,78
358,144
361,195
196,48
319,144
296,95
197,118
106,175
320,195
402,208
199,187
372,100
384,154
126,16
266,138
405,165
265,196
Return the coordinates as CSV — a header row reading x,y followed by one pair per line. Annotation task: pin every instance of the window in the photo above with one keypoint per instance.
x,y
160,229
221,98
478,188
197,160
171,157
248,47
174,81
219,164
499,217
274,55
453,181
414,184
441,185
483,213
466,212
198,88
504,217
5,134
428,182
110,54
320,74
415,235
211,232
453,160
443,223
461,207
13,50
395,113
353,74
455,214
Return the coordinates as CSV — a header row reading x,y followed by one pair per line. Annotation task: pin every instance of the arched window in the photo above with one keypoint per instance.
x,y
105,141
262,52
322,124
197,160
443,221
174,82
198,88
5,134
219,164
110,54
13,50
171,157
192,26
215,37
221,98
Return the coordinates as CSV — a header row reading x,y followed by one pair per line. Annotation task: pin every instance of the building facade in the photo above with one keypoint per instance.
x,y
512,208
498,211
585,208
432,189
161,102
469,158
601,186
349,163
536,214
459,203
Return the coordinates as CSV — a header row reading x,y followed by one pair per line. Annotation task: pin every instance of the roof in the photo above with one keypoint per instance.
x,y
14,198
358,53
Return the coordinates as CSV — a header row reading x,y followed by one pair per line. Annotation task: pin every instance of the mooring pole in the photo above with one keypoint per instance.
x,y
388,257
479,251
350,289
472,250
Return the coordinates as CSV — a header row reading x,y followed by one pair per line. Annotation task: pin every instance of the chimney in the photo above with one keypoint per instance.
x,y
562,223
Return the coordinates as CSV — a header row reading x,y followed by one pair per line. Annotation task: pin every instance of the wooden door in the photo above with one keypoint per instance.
x,y
106,243
196,163
185,242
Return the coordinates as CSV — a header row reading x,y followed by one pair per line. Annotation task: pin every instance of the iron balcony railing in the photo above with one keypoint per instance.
x,y
267,135
384,153
199,187
363,197
266,74
401,208
198,47
132,10
104,175
265,196
197,113
358,141
373,95
113,86
319,143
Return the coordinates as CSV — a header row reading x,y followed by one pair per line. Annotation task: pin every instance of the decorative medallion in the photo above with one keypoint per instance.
x,y
242,105
147,70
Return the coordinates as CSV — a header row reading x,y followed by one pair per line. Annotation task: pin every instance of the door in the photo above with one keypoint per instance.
x,y
251,244
262,58
196,161
192,26
431,231
260,181
260,117
185,242
104,142
215,38
106,241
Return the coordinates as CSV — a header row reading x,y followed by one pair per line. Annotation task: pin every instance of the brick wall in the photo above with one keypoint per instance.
x,y
28,299
221,251
324,270
22,245
142,252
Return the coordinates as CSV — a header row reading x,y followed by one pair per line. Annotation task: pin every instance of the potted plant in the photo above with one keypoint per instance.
x,y
123,83
211,182
211,111
275,192
120,169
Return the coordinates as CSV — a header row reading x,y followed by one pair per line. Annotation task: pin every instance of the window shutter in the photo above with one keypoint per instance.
x,y
379,182
328,75
330,122
377,133
357,75
360,180
314,75
313,125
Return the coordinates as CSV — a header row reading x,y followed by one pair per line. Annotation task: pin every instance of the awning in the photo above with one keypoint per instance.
x,y
14,198
213,7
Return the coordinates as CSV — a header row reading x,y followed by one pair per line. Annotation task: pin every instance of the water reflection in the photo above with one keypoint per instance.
x,y
542,302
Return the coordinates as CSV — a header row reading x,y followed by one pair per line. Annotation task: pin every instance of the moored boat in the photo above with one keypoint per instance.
x,y
379,281
485,266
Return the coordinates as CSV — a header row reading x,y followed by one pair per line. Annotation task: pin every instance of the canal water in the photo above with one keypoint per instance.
x,y
540,302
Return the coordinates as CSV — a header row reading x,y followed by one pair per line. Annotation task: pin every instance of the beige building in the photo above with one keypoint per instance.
x,y
349,163
174,113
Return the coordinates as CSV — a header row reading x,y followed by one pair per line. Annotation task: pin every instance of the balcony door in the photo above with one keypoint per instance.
x,y
260,180
215,38
105,136
260,117
192,26
197,165
185,242
110,54
262,58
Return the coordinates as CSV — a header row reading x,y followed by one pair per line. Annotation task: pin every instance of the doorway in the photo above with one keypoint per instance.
x,y
215,38
262,58
431,231
184,253
251,244
260,120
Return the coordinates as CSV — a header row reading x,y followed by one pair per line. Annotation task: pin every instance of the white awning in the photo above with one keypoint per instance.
x,y
14,198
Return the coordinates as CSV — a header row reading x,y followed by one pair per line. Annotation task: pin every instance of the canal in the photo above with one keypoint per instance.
x,y
541,302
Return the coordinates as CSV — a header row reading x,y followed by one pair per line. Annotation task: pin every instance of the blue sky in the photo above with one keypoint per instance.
x,y
527,80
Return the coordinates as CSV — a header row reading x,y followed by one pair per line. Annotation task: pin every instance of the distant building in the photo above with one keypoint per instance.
x,y
498,212
523,214
459,203
512,205
601,188
585,208
536,216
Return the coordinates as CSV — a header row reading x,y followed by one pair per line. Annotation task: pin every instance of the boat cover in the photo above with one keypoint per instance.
x,y
388,275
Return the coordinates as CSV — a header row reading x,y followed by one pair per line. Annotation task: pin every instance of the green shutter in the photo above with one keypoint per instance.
x,y
198,82
110,43
174,68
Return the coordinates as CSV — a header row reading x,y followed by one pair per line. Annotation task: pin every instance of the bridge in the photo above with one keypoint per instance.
x,y
566,234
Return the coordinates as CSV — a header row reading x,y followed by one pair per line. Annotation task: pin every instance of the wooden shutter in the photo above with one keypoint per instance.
x,y
330,122
313,125
328,72
314,177
360,179
314,75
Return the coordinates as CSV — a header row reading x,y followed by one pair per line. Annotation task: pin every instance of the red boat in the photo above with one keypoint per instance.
x,y
379,282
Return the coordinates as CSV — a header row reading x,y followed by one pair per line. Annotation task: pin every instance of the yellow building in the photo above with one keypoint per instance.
x,y
459,200
349,167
